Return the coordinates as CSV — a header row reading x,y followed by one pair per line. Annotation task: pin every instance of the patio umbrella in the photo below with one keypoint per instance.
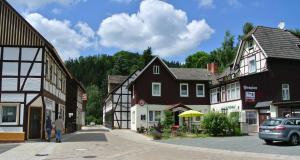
x,y
190,113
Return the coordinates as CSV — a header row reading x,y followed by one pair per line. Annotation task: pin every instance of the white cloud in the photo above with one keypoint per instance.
x,y
34,4
157,24
206,3
65,39
85,29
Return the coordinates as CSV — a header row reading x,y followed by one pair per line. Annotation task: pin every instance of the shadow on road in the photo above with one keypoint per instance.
x,y
86,137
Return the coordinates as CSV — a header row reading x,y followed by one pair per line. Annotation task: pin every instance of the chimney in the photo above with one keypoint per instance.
x,y
212,67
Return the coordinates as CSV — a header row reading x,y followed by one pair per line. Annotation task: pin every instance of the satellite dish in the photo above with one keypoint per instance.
x,y
281,25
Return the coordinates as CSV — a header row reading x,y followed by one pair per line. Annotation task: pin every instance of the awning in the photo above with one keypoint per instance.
x,y
178,107
263,104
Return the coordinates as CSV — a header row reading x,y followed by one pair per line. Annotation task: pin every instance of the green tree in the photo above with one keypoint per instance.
x,y
295,32
93,105
168,120
247,27
197,60
147,56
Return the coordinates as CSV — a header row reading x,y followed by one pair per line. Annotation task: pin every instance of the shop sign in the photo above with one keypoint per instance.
x,y
231,107
179,109
250,96
250,87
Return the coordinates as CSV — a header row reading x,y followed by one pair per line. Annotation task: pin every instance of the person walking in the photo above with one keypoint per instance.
x,y
59,125
48,128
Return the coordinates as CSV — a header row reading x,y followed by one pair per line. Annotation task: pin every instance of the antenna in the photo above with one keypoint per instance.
x,y
281,25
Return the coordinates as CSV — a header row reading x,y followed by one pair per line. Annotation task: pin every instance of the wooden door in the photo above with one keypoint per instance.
x,y
263,117
35,123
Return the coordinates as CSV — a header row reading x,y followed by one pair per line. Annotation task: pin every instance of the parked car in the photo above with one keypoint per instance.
x,y
280,129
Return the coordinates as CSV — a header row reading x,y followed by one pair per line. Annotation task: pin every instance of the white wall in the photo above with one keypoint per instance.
x,y
233,106
144,110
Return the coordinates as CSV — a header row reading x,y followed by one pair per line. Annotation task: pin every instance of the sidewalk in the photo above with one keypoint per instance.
x,y
33,150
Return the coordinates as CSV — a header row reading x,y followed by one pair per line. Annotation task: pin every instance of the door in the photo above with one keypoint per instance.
x,y
56,111
263,117
176,117
35,123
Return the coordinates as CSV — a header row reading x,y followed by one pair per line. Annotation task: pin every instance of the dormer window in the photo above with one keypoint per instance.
x,y
252,64
155,69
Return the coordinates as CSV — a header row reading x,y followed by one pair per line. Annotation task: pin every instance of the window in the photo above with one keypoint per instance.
x,y
215,95
223,94
197,119
285,92
233,91
155,69
133,117
252,64
250,45
9,114
154,116
156,89
251,117
200,90
184,90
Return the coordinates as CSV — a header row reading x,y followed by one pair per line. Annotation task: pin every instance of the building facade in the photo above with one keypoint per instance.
x,y
116,110
32,79
264,78
158,88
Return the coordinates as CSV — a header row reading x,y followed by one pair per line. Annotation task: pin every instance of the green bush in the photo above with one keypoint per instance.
x,y
234,127
168,120
216,124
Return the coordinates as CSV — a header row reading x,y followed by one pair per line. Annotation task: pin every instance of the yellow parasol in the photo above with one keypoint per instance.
x,y
190,113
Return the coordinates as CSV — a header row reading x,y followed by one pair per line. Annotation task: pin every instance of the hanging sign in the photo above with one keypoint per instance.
x,y
250,96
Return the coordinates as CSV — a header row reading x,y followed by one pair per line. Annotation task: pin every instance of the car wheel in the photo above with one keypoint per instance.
x,y
294,139
268,141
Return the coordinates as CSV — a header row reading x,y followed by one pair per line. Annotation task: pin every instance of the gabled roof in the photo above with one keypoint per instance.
x,y
191,73
182,73
116,79
277,43
35,32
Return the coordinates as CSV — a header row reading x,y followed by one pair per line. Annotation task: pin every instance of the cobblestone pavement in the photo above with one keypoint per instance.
x,y
6,147
245,144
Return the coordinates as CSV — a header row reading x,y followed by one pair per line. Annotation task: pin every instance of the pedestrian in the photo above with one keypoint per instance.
x,y
48,128
59,125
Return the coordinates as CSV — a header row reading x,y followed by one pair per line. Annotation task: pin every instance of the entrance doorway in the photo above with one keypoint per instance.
x,y
176,117
263,117
35,123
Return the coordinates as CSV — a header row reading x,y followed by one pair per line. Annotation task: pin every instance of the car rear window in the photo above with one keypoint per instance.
x,y
272,122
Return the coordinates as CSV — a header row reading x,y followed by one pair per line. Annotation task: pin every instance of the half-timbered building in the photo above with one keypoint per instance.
x,y
264,79
116,110
32,79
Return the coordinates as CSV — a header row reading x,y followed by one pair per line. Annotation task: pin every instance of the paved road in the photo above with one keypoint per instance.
x,y
123,146
245,144
6,147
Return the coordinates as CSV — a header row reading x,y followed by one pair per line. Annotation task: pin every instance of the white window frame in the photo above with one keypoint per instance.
x,y
223,90
256,116
187,88
285,92
153,115
156,69
197,93
233,91
250,59
153,93
214,92
17,113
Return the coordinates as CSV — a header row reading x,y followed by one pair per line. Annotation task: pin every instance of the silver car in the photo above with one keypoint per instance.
x,y
280,129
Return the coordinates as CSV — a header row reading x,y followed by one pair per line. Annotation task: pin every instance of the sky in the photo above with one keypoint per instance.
x,y
174,29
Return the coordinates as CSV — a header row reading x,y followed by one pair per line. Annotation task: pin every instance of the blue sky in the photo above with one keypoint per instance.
x,y
173,28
